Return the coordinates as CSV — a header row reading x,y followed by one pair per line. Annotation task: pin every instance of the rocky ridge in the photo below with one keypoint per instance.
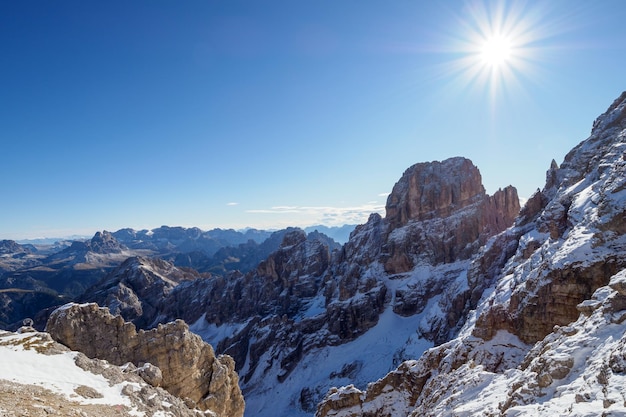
x,y
549,322
9,247
135,289
442,211
169,356
306,302
33,280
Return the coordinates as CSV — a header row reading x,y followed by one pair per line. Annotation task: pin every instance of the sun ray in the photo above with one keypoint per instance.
x,y
495,45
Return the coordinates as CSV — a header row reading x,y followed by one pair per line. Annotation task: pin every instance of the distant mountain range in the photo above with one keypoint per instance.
x,y
35,276
340,234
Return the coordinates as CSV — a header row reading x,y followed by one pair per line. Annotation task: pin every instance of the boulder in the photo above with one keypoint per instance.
x,y
188,366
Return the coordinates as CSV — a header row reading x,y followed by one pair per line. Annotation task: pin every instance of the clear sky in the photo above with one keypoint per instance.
x,y
273,113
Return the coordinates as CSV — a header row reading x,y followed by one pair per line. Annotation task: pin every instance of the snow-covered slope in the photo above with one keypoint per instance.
x,y
271,391
307,319
547,336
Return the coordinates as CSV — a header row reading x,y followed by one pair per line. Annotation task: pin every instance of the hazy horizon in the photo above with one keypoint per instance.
x,y
90,234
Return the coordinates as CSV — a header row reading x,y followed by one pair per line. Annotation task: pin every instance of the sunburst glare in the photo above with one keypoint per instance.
x,y
496,46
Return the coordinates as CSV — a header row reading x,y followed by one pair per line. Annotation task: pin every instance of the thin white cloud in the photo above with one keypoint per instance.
x,y
384,195
273,210
326,215
232,204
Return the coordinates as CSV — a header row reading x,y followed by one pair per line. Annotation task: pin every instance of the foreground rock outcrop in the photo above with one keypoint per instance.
x,y
179,360
41,377
546,336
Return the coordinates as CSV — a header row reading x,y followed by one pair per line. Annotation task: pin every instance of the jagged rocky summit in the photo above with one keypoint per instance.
x,y
309,317
547,334
444,208
137,287
169,356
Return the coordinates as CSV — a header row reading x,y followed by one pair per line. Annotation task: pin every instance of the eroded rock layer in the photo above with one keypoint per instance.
x,y
188,366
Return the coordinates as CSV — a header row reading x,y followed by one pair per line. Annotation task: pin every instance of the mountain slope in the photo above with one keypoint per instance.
x,y
547,336
34,280
301,321
303,318
135,289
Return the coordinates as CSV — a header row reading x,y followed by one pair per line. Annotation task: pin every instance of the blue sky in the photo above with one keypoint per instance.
x,y
273,113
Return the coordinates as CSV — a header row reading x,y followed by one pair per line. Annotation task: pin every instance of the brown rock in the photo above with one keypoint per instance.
x,y
151,374
499,211
433,189
444,214
533,207
533,312
188,365
348,398
401,387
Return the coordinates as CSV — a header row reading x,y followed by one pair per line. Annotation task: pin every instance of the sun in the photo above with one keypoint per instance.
x,y
496,51
496,47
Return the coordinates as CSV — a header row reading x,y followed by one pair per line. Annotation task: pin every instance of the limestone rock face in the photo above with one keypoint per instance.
x,y
297,259
278,286
188,366
439,212
267,300
102,243
581,206
534,311
36,387
433,190
406,381
500,210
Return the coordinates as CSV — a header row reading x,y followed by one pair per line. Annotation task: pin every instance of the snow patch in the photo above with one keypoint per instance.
x,y
57,373
212,333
